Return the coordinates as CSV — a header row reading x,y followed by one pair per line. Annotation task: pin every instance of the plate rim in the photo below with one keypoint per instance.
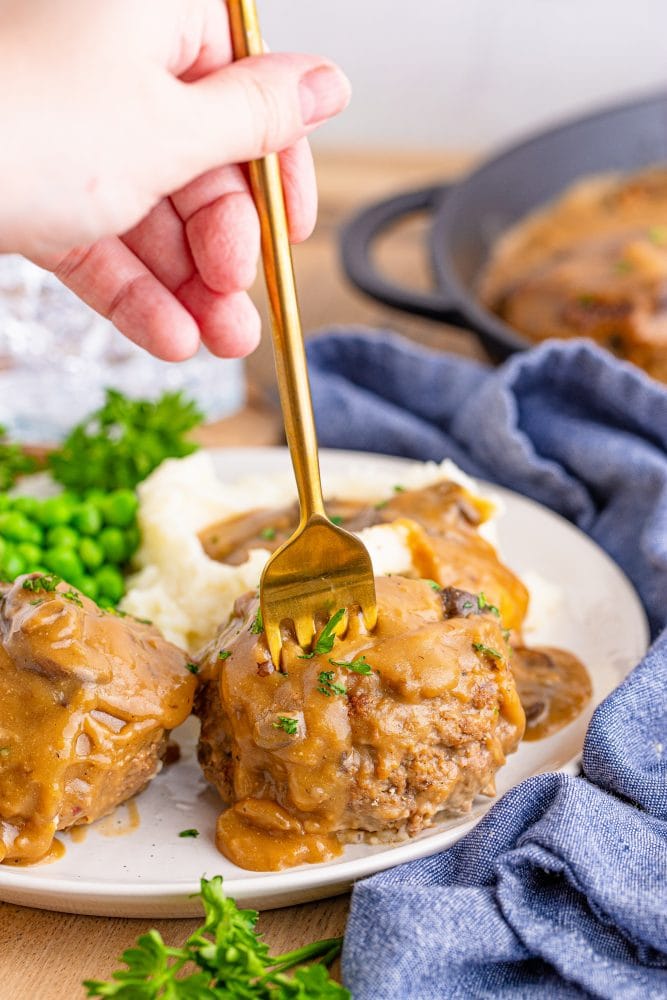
x,y
341,873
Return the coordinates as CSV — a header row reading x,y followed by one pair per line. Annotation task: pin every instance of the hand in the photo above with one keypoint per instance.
x,y
123,125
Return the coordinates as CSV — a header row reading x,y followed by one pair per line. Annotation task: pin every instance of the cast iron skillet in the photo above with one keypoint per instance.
x,y
468,217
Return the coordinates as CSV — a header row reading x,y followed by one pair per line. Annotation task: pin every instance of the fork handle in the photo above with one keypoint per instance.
x,y
288,347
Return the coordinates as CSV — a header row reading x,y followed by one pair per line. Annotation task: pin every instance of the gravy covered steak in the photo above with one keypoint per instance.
x,y
371,736
87,699
592,264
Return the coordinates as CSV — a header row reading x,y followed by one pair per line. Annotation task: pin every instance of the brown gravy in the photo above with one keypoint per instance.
x,y
442,522
592,263
554,687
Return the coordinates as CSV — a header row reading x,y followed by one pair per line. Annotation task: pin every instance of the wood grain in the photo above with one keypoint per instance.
x,y
44,955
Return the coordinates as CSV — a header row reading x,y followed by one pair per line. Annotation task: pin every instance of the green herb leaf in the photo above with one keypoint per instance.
x,y
484,605
433,585
13,462
120,444
487,650
189,833
230,961
287,724
42,581
399,489
358,666
327,684
337,519
327,638
224,654
268,533
192,667
257,626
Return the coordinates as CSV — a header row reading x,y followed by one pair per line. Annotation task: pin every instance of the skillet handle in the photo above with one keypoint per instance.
x,y
357,241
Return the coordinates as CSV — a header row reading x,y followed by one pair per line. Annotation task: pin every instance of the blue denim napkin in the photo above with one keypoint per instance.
x,y
561,890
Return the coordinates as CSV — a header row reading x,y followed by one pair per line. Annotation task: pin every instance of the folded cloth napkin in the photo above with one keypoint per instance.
x,y
561,890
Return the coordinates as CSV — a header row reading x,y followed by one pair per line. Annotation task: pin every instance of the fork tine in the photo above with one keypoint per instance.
x,y
274,640
304,627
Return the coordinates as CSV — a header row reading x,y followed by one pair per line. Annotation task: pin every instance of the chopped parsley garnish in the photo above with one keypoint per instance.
x,y
257,624
192,667
268,534
327,685
225,957
40,600
467,605
326,640
45,581
380,504
359,666
433,585
13,462
189,833
485,605
121,443
487,650
71,595
287,724
336,519
4,751
224,654
399,489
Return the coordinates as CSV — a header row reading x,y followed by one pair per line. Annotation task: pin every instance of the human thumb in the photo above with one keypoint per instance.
x,y
258,105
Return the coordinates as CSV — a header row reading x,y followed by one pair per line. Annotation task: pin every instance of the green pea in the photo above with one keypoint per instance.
x,y
87,519
132,539
62,536
95,494
5,502
88,586
27,505
91,553
31,553
120,508
13,565
114,544
18,528
110,582
65,563
55,510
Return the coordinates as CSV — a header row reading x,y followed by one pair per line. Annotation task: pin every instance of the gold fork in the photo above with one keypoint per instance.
x,y
321,568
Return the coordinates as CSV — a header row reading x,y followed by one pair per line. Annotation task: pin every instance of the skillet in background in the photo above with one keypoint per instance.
x,y
468,217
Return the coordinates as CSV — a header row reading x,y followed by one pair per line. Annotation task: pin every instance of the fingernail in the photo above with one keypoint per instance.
x,y
323,92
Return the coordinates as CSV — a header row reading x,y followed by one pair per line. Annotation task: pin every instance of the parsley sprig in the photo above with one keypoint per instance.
x,y
327,637
487,650
123,442
358,666
227,958
288,724
13,462
327,685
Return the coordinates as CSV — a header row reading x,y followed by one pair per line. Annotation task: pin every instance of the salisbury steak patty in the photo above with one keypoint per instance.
x,y
369,738
86,700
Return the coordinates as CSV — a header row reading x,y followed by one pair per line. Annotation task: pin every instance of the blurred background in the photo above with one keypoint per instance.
x,y
473,73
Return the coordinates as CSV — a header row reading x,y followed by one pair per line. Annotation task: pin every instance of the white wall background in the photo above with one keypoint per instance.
x,y
473,73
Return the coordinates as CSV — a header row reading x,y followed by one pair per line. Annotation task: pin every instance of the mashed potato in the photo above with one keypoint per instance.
x,y
186,594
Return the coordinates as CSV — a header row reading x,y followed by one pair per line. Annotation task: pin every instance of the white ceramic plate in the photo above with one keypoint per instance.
x,y
119,868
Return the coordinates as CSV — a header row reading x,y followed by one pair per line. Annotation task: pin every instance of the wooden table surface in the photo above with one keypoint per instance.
x,y
45,955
